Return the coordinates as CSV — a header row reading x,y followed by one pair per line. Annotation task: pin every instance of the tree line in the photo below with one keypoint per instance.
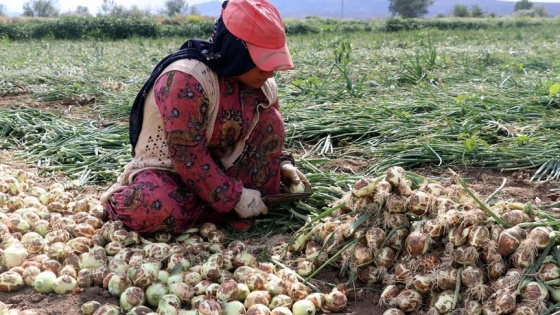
x,y
398,8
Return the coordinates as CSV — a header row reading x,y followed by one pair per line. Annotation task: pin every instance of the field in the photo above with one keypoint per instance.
x,y
481,103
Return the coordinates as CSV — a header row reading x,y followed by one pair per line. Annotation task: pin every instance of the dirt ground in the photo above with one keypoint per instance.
x,y
517,187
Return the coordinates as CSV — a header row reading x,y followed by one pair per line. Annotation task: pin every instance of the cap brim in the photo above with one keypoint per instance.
x,y
271,59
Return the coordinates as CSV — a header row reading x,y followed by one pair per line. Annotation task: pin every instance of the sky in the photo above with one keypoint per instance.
x,y
16,6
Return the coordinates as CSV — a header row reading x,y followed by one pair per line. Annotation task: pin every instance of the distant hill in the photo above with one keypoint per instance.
x,y
367,9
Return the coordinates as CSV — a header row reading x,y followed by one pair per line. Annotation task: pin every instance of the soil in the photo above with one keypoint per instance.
x,y
517,187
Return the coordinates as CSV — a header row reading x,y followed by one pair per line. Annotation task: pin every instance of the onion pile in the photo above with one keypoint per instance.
x,y
435,248
57,241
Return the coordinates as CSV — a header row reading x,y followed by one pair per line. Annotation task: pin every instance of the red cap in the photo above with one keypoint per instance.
x,y
258,23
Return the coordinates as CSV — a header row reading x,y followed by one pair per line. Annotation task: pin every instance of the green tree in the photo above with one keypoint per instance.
x,y
540,11
194,11
409,8
460,10
523,5
175,7
107,6
476,11
41,8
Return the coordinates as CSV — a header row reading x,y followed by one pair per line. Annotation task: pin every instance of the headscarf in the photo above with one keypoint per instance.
x,y
224,54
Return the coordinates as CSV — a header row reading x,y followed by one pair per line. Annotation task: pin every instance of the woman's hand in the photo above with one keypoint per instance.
x,y
297,181
250,204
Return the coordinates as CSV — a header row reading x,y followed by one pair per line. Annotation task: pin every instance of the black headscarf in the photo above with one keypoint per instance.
x,y
224,53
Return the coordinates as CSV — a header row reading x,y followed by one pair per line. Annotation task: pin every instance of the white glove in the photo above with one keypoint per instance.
x,y
294,177
250,204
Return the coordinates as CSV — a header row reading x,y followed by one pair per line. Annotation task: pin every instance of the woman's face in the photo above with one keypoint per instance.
x,y
255,77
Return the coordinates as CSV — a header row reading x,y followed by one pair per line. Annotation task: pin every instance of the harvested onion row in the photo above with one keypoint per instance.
x,y
434,247
57,241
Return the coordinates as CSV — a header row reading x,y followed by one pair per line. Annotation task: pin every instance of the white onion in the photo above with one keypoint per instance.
x,y
233,308
131,297
303,307
64,284
10,281
43,282
15,255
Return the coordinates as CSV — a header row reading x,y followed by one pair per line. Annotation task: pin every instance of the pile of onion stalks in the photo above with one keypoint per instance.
x,y
435,248
59,241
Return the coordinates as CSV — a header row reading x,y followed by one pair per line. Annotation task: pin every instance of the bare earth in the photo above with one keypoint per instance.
x,y
518,187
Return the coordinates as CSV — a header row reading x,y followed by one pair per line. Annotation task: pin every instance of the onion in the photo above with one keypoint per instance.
x,y
419,203
306,267
336,300
408,300
549,271
117,283
201,287
131,297
534,291
192,277
417,243
43,282
393,311
227,291
375,237
514,217
275,286
281,310
505,301
364,187
443,302
64,284
257,297
108,309
471,276
280,300
303,307
297,291
212,289
540,236
209,307
29,274
394,175
447,278
388,294
11,281
233,308
184,291
15,255
509,239
317,298
140,310
385,257
154,293
88,308
146,274
258,309
478,236
256,281
210,270
424,282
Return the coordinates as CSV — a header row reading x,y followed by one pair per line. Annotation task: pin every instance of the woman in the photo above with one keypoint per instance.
x,y
206,132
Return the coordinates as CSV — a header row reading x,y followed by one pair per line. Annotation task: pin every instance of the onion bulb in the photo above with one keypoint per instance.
x,y
10,281
303,307
64,284
43,282
131,297
233,308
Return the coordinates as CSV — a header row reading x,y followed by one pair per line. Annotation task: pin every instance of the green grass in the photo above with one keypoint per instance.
x,y
471,98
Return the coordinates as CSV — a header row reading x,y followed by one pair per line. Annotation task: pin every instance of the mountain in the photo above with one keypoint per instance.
x,y
367,9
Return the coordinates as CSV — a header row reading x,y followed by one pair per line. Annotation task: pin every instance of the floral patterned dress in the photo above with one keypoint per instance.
x,y
200,188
